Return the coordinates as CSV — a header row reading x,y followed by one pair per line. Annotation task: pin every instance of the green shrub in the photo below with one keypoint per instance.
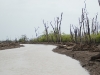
x,y
65,38
97,38
23,39
52,38
42,38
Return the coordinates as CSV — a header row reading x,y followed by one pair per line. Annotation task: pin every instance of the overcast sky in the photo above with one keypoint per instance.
x,y
19,17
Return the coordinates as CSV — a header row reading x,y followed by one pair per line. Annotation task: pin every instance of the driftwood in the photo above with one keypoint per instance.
x,y
80,47
68,46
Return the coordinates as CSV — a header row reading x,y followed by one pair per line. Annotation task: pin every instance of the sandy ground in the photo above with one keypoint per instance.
x,y
38,60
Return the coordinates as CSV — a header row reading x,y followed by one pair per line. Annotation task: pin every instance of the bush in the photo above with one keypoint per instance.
x,y
52,38
23,39
42,38
66,38
97,38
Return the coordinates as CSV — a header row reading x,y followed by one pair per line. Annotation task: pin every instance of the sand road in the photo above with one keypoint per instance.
x,y
38,60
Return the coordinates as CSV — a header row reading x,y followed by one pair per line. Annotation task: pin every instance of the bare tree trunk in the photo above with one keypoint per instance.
x,y
57,29
36,29
54,30
71,33
80,30
60,28
46,30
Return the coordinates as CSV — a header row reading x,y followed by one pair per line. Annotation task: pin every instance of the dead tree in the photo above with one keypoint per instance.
x,y
99,2
60,28
57,28
71,33
46,30
54,31
75,32
95,27
36,29
83,32
85,25
88,31
84,28
80,32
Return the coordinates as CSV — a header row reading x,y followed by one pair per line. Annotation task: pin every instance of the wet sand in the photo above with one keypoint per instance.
x,y
38,60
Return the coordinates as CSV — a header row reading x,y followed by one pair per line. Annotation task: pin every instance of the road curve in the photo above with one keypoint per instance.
x,y
38,60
